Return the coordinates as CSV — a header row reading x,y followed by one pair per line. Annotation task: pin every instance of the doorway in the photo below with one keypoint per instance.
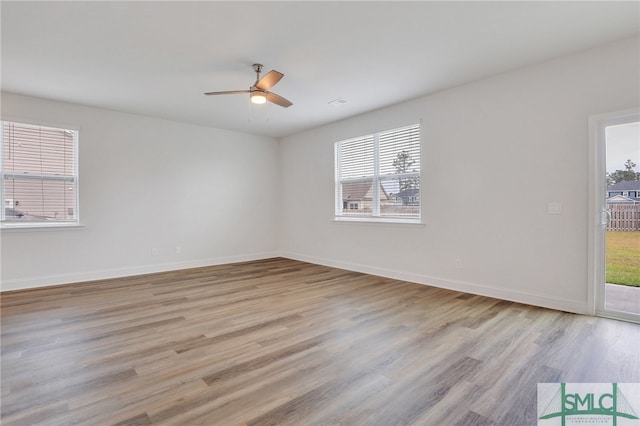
x,y
614,237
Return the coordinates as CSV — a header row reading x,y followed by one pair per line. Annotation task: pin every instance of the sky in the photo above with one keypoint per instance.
x,y
623,143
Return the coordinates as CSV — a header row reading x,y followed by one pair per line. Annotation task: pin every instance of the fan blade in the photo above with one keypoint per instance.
x,y
230,92
269,80
278,100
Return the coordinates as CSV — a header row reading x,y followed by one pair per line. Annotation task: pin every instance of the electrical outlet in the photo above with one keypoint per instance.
x,y
554,207
458,263
154,252
178,249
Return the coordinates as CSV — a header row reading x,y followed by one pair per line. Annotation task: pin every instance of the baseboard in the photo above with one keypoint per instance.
x,y
527,298
45,281
466,287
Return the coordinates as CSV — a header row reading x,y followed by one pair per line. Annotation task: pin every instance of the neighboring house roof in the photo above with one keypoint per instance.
x,y
411,192
359,191
619,199
355,190
625,185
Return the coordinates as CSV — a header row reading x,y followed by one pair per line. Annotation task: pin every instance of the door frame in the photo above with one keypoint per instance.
x,y
596,219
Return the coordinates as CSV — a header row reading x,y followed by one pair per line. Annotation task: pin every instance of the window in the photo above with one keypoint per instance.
x,y
379,174
39,175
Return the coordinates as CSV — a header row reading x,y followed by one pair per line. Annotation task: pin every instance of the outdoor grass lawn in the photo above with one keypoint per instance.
x,y
623,257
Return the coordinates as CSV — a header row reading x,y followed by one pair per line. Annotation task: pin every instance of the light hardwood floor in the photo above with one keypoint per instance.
x,y
290,343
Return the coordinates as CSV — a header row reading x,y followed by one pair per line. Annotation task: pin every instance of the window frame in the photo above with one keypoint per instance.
x,y
35,224
377,178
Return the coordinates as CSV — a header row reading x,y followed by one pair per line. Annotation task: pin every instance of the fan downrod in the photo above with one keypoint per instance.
x,y
258,69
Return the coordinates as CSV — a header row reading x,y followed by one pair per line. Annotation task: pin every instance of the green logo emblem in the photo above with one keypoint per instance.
x,y
586,403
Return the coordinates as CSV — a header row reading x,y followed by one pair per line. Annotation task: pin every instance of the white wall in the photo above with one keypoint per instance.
x,y
495,152
148,183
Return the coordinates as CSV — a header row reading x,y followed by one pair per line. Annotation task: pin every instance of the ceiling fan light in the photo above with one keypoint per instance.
x,y
258,97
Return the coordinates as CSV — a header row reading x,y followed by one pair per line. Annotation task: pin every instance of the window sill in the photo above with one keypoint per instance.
x,y
380,221
25,227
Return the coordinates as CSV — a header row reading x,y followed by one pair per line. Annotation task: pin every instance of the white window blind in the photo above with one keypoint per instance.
x,y
378,175
38,168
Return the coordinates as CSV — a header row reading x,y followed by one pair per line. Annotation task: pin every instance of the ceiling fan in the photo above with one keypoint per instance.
x,y
259,92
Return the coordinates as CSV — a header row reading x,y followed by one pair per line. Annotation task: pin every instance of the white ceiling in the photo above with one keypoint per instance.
x,y
158,58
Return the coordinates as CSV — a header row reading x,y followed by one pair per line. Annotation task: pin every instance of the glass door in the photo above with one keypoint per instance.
x,y
615,237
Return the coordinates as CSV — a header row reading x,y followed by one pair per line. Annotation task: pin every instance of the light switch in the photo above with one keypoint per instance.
x,y
554,207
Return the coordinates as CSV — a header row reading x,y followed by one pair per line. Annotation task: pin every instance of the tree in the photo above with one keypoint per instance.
x,y
402,164
623,175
